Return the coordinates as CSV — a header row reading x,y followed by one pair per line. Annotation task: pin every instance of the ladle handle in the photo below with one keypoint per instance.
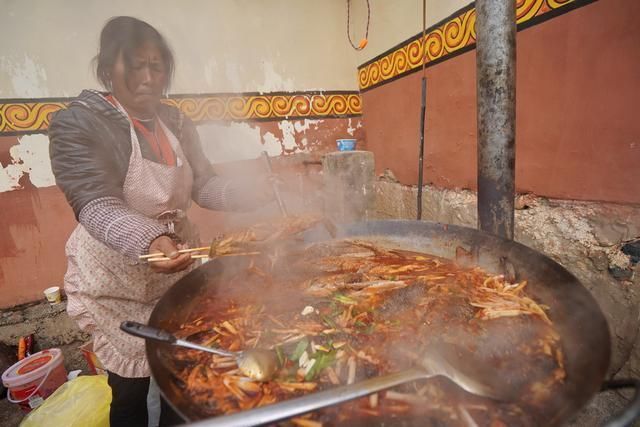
x,y
147,332
150,333
274,186
302,405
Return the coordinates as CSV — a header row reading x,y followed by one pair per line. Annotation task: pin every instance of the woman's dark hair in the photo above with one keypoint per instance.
x,y
125,34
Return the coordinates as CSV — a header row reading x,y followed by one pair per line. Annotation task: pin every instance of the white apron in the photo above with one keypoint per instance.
x,y
105,287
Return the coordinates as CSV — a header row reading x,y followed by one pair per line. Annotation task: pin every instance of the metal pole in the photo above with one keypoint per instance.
x,y
423,107
496,91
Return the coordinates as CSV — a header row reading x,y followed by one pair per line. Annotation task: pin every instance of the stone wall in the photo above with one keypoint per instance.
x,y
587,238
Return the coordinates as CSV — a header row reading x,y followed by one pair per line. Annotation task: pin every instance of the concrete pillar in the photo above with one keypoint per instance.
x,y
348,178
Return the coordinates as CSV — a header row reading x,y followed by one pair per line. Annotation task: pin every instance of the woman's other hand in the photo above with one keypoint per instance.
x,y
168,247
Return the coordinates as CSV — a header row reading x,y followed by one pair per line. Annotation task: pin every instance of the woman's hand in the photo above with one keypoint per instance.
x,y
168,247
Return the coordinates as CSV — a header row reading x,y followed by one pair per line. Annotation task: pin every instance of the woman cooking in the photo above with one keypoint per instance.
x,y
129,167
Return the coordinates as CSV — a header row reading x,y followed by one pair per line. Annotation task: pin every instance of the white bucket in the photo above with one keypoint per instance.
x,y
34,378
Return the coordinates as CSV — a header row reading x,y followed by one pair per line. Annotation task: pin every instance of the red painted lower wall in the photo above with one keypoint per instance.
x,y
578,126
36,222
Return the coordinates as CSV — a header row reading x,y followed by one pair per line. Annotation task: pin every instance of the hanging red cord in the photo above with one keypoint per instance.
x,y
365,40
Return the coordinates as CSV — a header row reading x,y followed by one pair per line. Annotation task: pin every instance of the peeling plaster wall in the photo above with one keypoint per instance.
x,y
36,221
23,75
220,46
249,140
29,159
231,142
231,46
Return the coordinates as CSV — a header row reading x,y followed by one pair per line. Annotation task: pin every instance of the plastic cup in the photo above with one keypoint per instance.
x,y
53,294
346,144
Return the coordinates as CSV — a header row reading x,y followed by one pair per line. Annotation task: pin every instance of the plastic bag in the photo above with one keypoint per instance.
x,y
82,402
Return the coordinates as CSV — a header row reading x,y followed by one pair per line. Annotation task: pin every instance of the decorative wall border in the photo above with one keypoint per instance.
x,y
27,116
450,37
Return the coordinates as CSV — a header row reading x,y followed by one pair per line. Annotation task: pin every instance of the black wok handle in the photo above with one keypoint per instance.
x,y
631,413
147,332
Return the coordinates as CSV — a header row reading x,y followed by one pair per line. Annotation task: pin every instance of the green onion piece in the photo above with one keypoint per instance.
x,y
280,355
323,360
345,299
329,322
300,348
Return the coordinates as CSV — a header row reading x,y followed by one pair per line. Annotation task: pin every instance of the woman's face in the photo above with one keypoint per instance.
x,y
139,90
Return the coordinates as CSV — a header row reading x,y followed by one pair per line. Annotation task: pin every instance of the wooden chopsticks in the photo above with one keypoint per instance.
x,y
150,257
161,257
164,258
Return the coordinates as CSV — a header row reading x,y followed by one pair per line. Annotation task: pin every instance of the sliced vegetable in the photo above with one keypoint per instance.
x,y
322,361
304,359
329,322
300,348
280,354
345,299
309,369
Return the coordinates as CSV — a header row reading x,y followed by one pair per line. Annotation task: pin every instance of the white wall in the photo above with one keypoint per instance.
x,y
220,45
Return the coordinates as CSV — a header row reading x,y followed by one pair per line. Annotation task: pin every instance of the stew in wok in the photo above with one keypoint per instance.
x,y
341,311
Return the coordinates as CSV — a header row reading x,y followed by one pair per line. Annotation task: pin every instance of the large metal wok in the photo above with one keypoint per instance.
x,y
575,313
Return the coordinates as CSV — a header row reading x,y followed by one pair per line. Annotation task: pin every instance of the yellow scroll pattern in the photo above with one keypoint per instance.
x,y
27,116
269,107
31,116
458,33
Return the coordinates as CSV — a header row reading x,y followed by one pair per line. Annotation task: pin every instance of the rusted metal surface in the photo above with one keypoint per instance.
x,y
496,90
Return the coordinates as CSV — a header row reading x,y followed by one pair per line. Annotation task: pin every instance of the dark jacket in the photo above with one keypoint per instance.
x,y
90,146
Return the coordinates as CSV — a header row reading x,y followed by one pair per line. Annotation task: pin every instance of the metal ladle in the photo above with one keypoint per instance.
x,y
257,364
330,226
274,185
435,362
